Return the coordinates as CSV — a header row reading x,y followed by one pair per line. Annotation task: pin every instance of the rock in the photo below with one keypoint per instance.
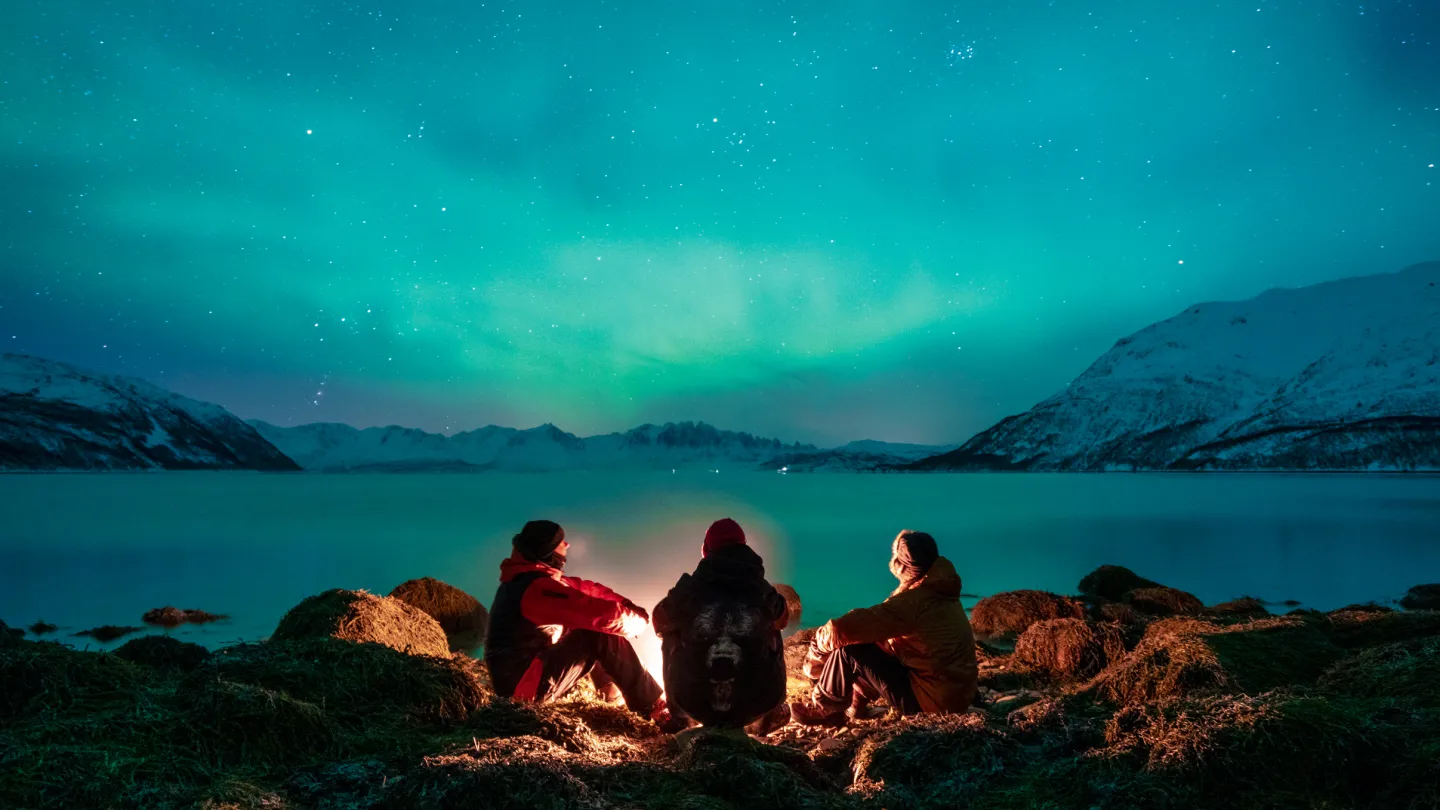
x,y
108,632
1070,648
1122,614
361,617
1245,606
460,615
1163,601
174,617
42,628
792,601
9,635
1112,582
163,652
1185,657
1365,626
1422,597
1014,611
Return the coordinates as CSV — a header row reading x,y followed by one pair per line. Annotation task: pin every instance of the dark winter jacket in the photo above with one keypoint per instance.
x,y
925,626
533,607
719,631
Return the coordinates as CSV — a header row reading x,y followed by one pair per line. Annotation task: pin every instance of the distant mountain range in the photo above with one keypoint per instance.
x,y
332,447
54,416
1337,376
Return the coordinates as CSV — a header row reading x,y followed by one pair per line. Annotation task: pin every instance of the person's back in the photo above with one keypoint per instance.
x,y
940,647
720,635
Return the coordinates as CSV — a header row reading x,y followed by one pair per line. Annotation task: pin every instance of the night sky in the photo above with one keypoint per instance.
x,y
822,221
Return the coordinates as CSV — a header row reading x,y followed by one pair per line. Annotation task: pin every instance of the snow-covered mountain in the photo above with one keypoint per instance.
x,y
54,416
1343,375
334,447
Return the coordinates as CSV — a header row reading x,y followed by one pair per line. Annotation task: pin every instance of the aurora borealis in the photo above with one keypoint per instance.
x,y
820,221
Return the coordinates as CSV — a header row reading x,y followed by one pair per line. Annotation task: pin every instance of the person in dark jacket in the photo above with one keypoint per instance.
x,y
719,633
547,631
915,649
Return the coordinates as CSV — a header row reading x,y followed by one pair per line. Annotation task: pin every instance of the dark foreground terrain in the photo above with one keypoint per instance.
x,y
1131,696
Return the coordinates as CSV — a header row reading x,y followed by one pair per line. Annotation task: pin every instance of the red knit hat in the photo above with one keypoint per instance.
x,y
723,532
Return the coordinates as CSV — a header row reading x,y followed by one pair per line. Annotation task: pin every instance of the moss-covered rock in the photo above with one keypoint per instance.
x,y
1012,612
1186,657
43,675
359,616
511,773
240,723
460,615
1246,607
163,652
932,761
1112,582
1162,601
174,617
1070,648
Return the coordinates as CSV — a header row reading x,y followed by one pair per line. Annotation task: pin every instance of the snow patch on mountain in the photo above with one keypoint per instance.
x,y
1343,375
55,416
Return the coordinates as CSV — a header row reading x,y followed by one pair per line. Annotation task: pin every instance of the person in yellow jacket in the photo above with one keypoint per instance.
x,y
915,650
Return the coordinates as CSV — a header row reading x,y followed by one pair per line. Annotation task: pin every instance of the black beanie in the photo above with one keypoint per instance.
x,y
915,552
538,540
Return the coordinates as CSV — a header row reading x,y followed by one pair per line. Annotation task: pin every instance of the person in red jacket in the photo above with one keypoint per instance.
x,y
547,631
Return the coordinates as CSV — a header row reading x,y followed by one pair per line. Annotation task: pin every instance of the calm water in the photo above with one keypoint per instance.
x,y
83,550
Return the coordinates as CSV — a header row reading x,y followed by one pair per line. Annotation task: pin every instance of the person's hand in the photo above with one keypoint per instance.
x,y
633,624
643,613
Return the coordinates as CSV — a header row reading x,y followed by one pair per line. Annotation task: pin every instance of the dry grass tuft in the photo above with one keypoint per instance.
x,y
460,615
1162,601
1070,648
1014,611
43,676
163,652
361,616
523,773
239,723
1112,582
1184,657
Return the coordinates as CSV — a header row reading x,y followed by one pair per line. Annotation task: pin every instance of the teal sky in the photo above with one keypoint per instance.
x,y
822,221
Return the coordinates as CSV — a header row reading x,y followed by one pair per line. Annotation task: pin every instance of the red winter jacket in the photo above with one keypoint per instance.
x,y
533,608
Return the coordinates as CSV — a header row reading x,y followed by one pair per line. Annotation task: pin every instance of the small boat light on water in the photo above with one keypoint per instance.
x,y
784,469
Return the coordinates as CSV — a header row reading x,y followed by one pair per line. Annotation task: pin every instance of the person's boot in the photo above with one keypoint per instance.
x,y
817,711
668,721
771,721
861,708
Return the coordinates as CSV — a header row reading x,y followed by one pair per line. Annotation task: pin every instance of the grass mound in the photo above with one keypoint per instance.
x,y
728,765
354,682
1014,611
1277,749
506,718
1070,648
1356,627
239,723
1060,725
460,615
1184,657
1112,582
163,652
43,676
935,761
522,773
792,602
1408,671
361,616
1162,601
1422,597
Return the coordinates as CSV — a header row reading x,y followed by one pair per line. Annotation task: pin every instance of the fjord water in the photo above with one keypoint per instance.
x,y
85,550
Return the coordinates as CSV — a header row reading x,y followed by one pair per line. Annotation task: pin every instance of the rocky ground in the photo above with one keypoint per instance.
x,y
1131,695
